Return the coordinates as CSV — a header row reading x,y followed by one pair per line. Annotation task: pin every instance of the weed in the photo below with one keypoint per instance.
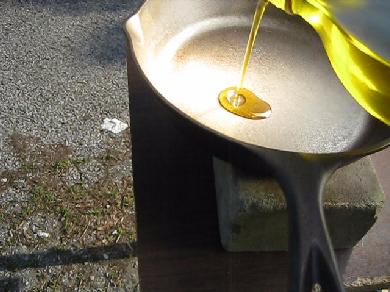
x,y
27,167
79,161
114,194
128,199
78,191
66,215
95,212
110,157
25,212
114,278
132,236
54,283
41,195
62,165
120,231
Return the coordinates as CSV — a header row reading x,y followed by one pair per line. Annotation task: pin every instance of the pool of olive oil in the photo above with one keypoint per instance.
x,y
237,99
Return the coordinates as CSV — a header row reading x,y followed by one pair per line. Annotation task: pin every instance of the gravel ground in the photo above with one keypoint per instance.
x,y
66,202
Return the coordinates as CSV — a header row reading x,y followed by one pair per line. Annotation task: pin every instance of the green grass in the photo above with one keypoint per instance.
x,y
128,200
65,164
27,167
67,215
78,191
114,194
42,195
26,212
95,212
132,236
114,278
62,165
54,283
79,161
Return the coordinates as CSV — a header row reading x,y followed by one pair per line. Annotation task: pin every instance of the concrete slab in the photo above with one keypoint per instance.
x,y
253,212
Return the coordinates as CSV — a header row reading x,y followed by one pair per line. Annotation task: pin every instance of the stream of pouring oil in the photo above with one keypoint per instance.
x,y
237,99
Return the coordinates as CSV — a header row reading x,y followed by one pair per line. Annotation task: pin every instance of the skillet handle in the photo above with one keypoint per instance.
x,y
312,260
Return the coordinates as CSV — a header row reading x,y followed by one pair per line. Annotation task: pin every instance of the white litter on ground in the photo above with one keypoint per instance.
x,y
114,125
43,234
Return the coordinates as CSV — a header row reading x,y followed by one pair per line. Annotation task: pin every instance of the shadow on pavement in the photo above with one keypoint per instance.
x,y
57,257
81,7
10,284
107,43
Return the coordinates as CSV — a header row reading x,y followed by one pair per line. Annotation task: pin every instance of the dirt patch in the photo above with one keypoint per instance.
x,y
57,199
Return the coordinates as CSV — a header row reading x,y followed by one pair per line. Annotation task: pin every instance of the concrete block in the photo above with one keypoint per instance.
x,y
253,211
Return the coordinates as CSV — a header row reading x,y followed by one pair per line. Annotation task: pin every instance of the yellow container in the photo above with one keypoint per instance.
x,y
356,37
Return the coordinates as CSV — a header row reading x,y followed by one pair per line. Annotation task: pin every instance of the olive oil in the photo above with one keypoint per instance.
x,y
237,99
244,103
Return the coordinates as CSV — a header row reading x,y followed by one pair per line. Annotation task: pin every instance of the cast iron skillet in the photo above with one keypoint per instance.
x,y
188,51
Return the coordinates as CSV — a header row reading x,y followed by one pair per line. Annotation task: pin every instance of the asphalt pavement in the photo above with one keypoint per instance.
x,y
62,72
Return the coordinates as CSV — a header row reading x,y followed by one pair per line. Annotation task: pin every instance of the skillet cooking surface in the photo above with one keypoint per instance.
x,y
194,53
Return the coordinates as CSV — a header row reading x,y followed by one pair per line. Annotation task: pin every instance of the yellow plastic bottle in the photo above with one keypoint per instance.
x,y
356,37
